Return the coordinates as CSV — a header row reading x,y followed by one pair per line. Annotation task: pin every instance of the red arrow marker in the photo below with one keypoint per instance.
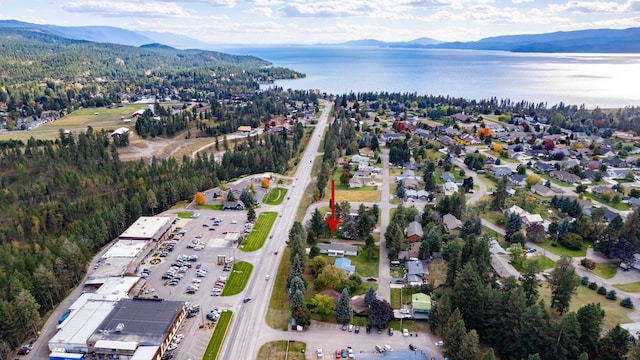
x,y
333,221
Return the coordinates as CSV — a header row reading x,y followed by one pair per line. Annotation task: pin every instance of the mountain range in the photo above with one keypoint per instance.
x,y
581,41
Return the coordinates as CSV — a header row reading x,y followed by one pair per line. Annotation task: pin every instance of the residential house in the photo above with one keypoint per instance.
x,y
414,231
412,194
542,190
365,151
357,182
244,129
406,174
515,209
411,183
416,272
345,264
617,173
531,219
633,202
543,167
446,140
447,176
390,136
412,253
451,223
360,160
423,195
500,171
431,125
233,205
450,188
565,176
338,249
425,134
463,117
519,180
421,305
597,190
615,162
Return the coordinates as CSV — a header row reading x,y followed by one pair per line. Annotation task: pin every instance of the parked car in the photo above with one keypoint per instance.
x,y
440,343
350,328
344,327
357,330
412,347
319,353
405,332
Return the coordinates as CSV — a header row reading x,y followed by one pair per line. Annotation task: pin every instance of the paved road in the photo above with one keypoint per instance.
x,y
384,277
249,320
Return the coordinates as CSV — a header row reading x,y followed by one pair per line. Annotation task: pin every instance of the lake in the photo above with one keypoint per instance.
x,y
604,80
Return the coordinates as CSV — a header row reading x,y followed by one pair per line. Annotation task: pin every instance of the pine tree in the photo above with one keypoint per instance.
x,y
369,296
343,308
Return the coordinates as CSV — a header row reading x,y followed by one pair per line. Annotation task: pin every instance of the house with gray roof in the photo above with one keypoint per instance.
x,y
500,171
447,176
416,271
451,223
338,249
414,231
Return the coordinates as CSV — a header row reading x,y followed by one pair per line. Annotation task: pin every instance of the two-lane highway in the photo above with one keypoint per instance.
x,y
249,318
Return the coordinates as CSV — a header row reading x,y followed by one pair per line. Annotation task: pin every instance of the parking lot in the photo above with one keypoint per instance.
x,y
196,276
331,337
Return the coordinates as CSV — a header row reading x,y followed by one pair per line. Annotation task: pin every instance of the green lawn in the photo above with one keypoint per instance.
x,y
220,332
238,279
617,206
543,261
210,207
614,313
605,271
633,287
275,196
561,250
282,349
365,267
278,312
404,294
185,214
260,231
557,182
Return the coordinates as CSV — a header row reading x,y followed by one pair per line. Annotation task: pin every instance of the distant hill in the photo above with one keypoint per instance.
x,y
175,40
100,34
372,42
67,59
587,41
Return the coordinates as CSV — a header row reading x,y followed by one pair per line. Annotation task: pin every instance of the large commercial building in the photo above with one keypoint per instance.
x,y
86,314
148,228
137,328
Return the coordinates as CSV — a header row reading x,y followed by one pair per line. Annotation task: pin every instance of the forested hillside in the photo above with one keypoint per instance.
x,y
60,202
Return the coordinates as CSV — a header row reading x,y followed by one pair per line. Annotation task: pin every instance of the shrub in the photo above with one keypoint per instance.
x,y
588,263
593,286
602,290
611,295
584,280
626,303
572,241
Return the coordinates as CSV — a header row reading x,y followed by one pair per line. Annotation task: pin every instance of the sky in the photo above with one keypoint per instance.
x,y
330,21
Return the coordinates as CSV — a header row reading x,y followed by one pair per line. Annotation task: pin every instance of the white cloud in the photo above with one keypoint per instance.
x,y
115,8
262,11
590,7
521,1
330,8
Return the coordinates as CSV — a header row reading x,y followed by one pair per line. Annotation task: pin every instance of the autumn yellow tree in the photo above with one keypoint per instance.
x,y
265,183
199,198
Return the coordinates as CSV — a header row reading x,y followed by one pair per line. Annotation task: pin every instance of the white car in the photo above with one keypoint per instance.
x,y
440,343
267,277
172,347
319,352
405,332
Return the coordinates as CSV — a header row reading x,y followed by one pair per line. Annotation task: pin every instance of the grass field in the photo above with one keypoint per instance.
x,y
185,214
397,295
605,271
561,250
260,231
633,287
365,267
219,333
108,119
278,312
210,207
282,349
617,206
238,279
358,195
275,196
614,313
